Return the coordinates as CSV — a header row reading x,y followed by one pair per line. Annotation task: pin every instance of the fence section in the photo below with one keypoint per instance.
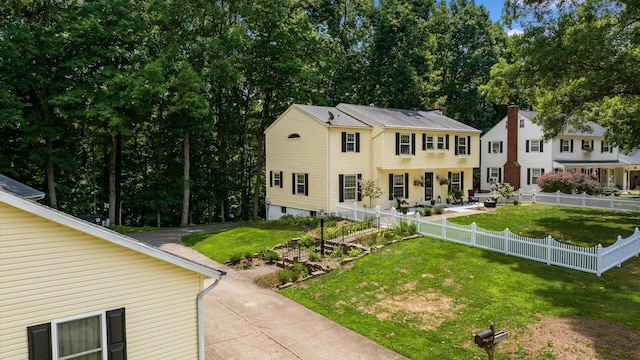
x,y
594,260
583,200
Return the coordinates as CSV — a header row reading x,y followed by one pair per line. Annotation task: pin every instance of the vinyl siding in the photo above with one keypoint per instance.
x,y
50,271
349,163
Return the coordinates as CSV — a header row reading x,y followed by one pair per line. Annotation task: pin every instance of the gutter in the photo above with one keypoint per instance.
x,y
201,354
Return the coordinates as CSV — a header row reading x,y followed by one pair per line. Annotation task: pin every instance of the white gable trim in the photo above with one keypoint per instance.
x,y
106,234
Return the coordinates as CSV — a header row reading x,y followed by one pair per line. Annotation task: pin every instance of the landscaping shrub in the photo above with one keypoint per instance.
x,y
236,258
353,252
426,211
403,228
438,210
569,183
268,255
338,251
307,241
314,256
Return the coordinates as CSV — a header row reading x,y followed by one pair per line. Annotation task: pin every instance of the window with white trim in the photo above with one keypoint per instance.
x,y
301,184
494,175
535,174
534,146
606,147
455,181
441,143
430,144
350,187
398,186
462,145
351,142
495,146
405,144
521,123
277,181
565,145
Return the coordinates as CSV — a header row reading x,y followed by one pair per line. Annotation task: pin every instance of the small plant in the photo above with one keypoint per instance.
x,y
307,241
438,210
353,252
426,211
268,255
314,256
236,258
338,251
404,228
283,277
444,181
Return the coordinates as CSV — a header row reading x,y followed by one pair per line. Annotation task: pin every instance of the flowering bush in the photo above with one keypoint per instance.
x,y
569,183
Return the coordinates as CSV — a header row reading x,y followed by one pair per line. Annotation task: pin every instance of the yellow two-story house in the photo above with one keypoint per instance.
x,y
317,155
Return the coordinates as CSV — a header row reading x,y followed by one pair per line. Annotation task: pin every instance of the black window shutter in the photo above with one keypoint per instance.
x,y
582,144
591,145
527,146
424,141
270,178
542,171
446,141
344,141
281,179
397,143
413,144
359,187
390,186
116,335
462,181
500,147
306,184
499,175
571,145
528,176
488,174
293,181
602,146
341,188
468,145
39,342
406,185
489,147
449,185
541,142
456,145
561,143
357,142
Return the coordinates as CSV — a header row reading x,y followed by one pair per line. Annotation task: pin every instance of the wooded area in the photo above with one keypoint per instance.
x,y
153,111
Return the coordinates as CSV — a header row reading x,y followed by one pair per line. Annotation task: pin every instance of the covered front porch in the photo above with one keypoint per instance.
x,y
622,175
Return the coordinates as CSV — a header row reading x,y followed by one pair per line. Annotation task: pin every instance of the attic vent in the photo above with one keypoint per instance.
x,y
294,136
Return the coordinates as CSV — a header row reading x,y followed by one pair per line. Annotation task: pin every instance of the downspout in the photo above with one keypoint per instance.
x,y
201,354
328,189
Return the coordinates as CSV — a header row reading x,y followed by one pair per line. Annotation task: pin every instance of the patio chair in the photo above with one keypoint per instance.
x,y
471,196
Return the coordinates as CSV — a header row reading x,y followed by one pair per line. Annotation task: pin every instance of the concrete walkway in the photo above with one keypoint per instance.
x,y
245,321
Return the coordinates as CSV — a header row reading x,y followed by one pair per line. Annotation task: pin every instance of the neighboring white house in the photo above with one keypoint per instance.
x,y
514,152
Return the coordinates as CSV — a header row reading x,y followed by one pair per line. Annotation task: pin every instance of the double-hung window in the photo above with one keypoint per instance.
x,y
535,146
350,187
429,141
398,186
565,146
301,184
405,144
441,144
606,147
456,183
535,175
462,145
493,175
496,146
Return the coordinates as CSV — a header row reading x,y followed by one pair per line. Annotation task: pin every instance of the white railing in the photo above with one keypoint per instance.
x,y
594,260
583,200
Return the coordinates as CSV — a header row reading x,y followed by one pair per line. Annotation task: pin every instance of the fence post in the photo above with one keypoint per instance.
x,y
599,260
619,242
507,232
473,233
444,228
418,222
533,196
355,211
378,215
636,233
584,199
520,195
558,197
549,245
612,203
393,216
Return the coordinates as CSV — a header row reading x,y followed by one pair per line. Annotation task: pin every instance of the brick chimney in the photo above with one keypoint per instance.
x,y
512,167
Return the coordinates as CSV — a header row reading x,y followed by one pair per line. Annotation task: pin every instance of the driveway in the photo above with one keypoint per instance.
x,y
245,321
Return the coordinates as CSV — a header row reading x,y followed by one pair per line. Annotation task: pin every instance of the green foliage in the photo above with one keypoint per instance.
x,y
235,258
307,241
268,255
403,228
505,190
353,252
426,211
569,183
314,256
438,210
338,251
370,188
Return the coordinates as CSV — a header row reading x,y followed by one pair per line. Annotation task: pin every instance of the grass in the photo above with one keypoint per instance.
x,y
425,298
576,226
221,245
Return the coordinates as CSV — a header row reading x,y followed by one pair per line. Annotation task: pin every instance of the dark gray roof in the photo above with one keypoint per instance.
x,y
406,119
598,130
629,160
339,118
19,189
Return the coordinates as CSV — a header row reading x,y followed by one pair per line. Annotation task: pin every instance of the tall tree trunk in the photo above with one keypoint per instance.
x,y
118,177
51,183
185,182
112,179
259,165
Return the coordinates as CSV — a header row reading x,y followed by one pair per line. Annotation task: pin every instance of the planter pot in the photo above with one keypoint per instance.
x,y
404,209
489,204
433,202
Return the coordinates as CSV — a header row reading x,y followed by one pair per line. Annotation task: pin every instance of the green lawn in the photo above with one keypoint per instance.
x,y
221,245
582,227
425,298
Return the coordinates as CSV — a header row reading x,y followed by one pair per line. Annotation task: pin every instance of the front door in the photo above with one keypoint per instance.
x,y
428,186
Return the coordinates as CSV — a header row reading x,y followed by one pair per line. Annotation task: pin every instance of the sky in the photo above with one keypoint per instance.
x,y
495,11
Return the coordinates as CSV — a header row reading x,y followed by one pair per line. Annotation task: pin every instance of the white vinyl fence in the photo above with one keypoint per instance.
x,y
594,260
583,200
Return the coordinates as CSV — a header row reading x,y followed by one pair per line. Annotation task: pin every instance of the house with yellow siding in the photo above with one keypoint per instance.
x,y
317,155
69,287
